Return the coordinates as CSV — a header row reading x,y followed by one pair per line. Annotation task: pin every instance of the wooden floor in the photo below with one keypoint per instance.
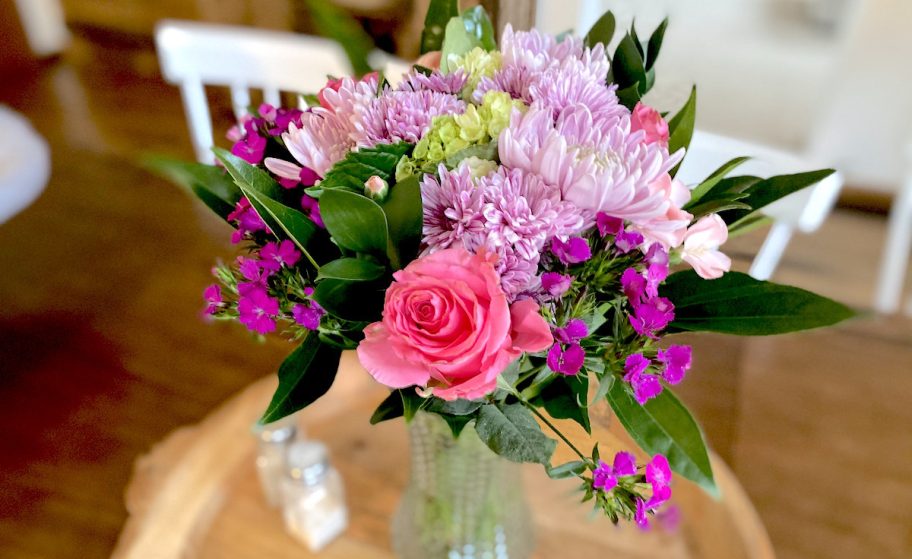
x,y
102,351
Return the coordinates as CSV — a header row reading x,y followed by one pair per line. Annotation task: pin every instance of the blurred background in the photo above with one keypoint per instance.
x,y
103,351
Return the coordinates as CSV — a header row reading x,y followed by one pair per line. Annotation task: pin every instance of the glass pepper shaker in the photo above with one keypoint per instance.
x,y
273,441
313,496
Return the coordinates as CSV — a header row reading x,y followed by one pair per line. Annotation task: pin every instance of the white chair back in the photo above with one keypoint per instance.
x,y
194,55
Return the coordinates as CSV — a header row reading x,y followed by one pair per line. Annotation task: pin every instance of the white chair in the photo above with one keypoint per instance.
x,y
194,55
803,211
895,259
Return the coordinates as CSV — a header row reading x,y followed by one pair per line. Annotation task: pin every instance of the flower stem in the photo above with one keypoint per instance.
x,y
552,427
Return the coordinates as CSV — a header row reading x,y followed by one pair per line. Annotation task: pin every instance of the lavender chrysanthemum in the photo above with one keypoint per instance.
x,y
598,168
509,213
401,116
437,81
515,80
535,50
564,86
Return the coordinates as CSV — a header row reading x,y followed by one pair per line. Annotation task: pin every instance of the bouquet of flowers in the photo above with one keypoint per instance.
x,y
500,236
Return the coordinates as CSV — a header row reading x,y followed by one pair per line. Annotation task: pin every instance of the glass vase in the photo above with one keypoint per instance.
x,y
462,501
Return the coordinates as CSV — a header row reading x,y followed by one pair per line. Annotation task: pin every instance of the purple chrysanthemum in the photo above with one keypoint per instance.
x,y
401,116
508,213
436,81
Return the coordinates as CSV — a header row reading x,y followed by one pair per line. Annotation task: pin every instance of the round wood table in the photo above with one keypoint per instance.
x,y
196,494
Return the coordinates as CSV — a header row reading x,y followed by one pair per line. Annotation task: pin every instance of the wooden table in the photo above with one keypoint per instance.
x,y
196,495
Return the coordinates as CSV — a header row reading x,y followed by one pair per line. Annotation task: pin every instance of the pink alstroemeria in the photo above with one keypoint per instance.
x,y
701,247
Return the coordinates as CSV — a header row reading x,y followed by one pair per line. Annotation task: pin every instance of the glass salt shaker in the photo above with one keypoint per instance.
x,y
273,442
313,496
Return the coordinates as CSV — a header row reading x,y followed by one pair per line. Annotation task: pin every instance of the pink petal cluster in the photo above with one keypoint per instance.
x,y
447,325
701,247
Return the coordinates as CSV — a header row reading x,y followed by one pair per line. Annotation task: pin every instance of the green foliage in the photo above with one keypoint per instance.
x,y
511,431
628,70
655,45
708,188
213,186
602,31
739,304
351,300
352,172
389,408
335,23
404,218
681,126
767,191
304,376
478,25
438,15
351,269
565,397
664,426
355,222
569,469
458,41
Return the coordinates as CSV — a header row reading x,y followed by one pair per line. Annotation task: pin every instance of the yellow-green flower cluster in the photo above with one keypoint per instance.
x,y
477,63
450,134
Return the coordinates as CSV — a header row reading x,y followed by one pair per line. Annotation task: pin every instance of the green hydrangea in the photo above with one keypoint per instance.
x,y
477,63
451,134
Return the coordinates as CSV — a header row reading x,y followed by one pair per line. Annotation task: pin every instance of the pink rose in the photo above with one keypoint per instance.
x,y
429,60
447,325
668,229
650,121
701,247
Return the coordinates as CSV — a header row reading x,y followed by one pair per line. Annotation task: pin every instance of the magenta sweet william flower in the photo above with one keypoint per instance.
x,y
308,315
652,316
625,241
572,251
555,284
657,268
257,311
311,207
634,285
608,225
658,474
574,331
252,146
605,477
277,254
566,360
645,386
246,219
213,297
677,360
640,517
447,325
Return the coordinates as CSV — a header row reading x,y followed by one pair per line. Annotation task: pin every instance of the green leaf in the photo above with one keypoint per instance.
x,y
716,206
411,402
630,96
769,190
628,68
747,224
664,426
304,376
707,187
569,469
565,397
352,172
604,386
438,15
457,423
478,25
511,432
404,217
602,31
681,126
249,176
351,269
335,23
296,226
350,300
655,44
209,183
355,222
389,408
457,41
739,304
454,407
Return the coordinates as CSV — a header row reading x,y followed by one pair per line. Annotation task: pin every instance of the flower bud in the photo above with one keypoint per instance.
x,y
376,188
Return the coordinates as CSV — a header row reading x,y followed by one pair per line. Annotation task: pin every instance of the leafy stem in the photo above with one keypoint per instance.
x,y
512,390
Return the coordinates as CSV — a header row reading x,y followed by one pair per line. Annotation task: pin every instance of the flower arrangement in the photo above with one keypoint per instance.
x,y
500,236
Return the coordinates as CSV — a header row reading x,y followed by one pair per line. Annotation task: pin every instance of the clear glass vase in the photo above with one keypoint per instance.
x,y
462,501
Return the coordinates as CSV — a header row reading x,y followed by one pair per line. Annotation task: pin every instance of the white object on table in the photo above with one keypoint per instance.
x,y
895,258
803,211
193,55
44,25
313,496
25,163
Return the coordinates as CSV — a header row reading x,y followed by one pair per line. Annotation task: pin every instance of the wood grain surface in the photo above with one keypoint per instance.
x,y
196,495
